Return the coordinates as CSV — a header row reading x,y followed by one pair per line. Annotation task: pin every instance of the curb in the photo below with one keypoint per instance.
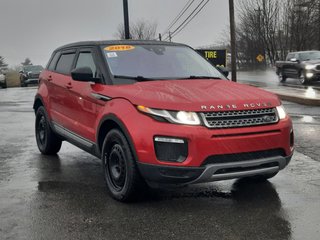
x,y
300,100
292,98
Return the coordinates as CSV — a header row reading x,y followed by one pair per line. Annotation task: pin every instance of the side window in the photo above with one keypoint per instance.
x,y
290,56
53,61
85,59
65,63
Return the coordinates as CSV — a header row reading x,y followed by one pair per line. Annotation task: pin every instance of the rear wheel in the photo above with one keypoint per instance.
x,y
122,177
48,142
282,78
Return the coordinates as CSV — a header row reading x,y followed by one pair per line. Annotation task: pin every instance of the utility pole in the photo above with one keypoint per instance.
x,y
170,36
233,41
126,19
160,37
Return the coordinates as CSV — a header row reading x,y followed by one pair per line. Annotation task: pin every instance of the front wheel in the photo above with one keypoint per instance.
x,y
48,142
302,78
122,177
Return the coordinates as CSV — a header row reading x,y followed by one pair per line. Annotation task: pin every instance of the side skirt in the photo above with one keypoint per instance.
x,y
76,140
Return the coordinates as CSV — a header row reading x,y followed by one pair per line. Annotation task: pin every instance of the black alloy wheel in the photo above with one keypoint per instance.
x,y
123,180
48,142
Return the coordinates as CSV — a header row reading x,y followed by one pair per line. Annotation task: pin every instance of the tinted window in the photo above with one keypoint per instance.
x,y
53,62
65,63
86,60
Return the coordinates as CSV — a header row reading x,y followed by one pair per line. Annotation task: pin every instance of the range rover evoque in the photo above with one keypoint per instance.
x,y
157,113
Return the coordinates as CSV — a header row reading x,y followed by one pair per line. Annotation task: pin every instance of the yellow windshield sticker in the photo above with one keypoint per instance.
x,y
119,48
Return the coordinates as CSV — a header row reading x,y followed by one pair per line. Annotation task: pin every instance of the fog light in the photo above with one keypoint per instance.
x,y
291,138
168,140
170,149
309,75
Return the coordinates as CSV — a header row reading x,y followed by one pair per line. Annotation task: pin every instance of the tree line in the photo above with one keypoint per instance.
x,y
273,28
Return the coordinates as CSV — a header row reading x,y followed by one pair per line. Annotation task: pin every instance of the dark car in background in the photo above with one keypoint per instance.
x,y
30,74
304,65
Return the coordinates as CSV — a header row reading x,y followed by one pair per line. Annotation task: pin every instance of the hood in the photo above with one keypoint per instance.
x,y
194,95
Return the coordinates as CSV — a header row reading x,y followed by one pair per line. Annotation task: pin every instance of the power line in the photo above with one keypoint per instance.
x,y
175,34
180,14
189,18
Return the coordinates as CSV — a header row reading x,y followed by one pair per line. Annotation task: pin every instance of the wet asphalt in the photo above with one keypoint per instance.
x,y
64,197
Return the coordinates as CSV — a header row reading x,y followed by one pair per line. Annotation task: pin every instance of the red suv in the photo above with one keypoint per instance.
x,y
158,113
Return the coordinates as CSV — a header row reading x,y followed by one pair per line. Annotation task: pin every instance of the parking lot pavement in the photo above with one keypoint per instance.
x,y
64,197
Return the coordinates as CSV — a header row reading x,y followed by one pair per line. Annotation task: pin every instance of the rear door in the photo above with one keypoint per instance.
x,y
289,68
60,82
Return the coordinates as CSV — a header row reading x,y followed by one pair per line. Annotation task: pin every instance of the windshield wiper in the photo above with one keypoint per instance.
x,y
137,78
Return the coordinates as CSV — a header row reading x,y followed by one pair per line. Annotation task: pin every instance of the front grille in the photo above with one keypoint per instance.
x,y
242,118
240,157
33,76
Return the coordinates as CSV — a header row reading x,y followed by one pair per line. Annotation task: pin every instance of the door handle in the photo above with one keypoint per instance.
x,y
68,85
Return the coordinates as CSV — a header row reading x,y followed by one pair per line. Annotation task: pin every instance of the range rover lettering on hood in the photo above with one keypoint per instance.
x,y
234,106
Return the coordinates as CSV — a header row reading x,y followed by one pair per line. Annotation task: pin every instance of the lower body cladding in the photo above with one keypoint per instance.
x,y
30,81
212,172
225,157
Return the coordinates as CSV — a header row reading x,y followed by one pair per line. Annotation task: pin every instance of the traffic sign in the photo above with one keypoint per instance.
x,y
260,58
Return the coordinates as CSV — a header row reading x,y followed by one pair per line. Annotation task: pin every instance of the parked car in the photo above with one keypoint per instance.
x,y
3,81
30,74
158,113
304,66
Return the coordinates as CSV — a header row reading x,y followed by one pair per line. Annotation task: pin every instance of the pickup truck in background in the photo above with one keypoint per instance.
x,y
304,66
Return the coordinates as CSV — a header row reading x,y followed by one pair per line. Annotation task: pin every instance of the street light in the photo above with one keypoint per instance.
x,y
126,19
233,42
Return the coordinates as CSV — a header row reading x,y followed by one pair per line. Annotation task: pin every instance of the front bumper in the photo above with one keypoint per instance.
x,y
212,172
31,81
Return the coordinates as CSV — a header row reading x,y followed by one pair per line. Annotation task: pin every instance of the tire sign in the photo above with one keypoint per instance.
x,y
215,57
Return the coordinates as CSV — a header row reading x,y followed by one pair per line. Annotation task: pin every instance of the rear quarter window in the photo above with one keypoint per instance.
x,y
52,64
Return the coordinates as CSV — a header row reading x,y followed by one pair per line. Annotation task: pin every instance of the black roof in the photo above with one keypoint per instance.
x,y
117,42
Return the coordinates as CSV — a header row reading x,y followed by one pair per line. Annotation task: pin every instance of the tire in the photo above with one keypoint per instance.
x,y
282,78
48,142
302,78
123,180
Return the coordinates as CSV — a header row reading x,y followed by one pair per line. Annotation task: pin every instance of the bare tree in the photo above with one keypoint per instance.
x,y
26,62
140,30
2,62
275,27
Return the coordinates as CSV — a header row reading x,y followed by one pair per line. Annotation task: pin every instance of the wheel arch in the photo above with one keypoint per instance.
x,y
38,102
109,122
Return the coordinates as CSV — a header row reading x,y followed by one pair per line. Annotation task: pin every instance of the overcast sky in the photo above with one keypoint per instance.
x,y
34,28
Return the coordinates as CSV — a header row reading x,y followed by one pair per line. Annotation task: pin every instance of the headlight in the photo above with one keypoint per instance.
x,y
309,67
180,117
281,112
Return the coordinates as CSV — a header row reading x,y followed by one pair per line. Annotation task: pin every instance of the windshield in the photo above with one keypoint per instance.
x,y
32,68
309,56
158,62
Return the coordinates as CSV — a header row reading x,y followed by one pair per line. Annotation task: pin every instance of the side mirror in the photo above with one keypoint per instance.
x,y
83,74
294,60
223,70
